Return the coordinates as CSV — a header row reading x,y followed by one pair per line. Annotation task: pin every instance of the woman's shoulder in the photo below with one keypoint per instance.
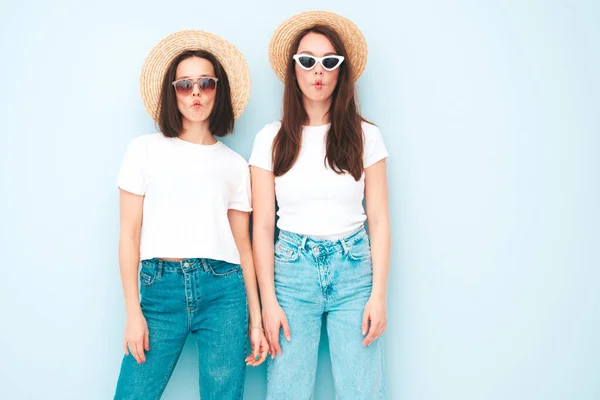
x,y
232,157
142,142
269,131
369,128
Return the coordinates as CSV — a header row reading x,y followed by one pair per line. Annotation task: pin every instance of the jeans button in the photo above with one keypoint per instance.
x,y
316,250
186,265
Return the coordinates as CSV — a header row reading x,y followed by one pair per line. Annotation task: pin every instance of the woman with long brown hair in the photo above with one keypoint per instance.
x,y
318,164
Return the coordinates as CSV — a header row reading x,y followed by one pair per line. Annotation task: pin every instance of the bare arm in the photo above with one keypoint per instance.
x,y
129,248
136,330
263,199
376,197
263,230
239,222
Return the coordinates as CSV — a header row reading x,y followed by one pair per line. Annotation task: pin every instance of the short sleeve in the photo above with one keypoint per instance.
x,y
374,147
242,197
261,155
131,174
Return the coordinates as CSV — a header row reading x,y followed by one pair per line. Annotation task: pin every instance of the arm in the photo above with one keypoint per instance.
x,y
136,329
376,197
239,222
263,198
263,230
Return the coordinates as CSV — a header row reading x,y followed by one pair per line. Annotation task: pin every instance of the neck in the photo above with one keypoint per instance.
x,y
197,132
317,111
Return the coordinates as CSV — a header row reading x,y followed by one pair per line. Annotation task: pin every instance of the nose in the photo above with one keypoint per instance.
x,y
318,69
196,89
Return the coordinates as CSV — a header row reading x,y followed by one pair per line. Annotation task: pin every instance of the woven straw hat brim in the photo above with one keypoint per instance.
x,y
167,49
284,35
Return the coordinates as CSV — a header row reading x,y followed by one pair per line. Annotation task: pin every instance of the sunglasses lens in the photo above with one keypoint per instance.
x,y
207,85
331,62
184,86
306,62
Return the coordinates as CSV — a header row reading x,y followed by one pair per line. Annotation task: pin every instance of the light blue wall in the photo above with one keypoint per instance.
x,y
490,113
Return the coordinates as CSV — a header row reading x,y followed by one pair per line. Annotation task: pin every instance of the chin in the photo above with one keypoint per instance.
x,y
322,97
197,119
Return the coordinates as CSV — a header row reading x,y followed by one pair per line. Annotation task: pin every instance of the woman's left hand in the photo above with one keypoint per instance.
x,y
260,347
374,320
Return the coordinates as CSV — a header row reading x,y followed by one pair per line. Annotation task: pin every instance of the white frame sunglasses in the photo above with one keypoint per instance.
x,y
316,60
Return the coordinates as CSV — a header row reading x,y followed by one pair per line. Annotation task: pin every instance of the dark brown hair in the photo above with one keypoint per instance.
x,y
221,116
345,144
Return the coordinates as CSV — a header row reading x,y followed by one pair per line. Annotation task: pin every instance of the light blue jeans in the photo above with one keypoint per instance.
x,y
316,278
206,298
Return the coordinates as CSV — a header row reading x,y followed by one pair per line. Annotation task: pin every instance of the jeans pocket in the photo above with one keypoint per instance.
x,y
219,269
361,250
148,273
285,252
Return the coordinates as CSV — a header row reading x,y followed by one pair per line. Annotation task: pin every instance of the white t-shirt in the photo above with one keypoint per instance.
x,y
314,200
188,189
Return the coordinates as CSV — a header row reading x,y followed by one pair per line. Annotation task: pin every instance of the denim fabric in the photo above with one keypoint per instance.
x,y
206,298
322,280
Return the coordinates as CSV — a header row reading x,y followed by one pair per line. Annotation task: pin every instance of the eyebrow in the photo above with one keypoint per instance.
x,y
331,53
194,76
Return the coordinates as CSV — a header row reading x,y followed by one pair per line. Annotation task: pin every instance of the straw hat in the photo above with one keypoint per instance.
x,y
284,35
166,50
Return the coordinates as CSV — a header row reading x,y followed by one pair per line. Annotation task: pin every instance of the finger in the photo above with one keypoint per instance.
x,y
370,336
125,349
141,351
271,345
263,357
365,322
263,351
133,351
139,348
256,350
147,341
286,329
275,344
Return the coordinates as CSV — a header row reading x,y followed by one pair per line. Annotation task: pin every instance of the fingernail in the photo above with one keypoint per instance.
x,y
256,357
289,338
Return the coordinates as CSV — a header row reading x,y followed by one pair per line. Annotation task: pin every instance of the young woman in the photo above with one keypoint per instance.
x,y
185,204
319,163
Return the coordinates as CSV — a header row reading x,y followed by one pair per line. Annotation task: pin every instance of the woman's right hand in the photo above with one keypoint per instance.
x,y
136,336
273,319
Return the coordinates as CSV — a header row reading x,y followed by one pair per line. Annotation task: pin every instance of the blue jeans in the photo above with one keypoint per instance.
x,y
316,278
206,298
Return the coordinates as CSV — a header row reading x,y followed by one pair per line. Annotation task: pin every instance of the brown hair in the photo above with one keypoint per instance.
x,y
221,116
345,144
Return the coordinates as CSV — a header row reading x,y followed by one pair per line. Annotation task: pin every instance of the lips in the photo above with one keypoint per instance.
x,y
318,84
196,104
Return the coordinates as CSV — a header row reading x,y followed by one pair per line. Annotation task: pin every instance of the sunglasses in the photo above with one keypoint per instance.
x,y
308,62
185,86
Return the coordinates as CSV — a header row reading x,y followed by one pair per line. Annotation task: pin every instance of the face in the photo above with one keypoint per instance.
x,y
316,84
195,106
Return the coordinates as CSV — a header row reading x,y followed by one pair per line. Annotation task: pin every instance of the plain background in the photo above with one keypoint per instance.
x,y
488,109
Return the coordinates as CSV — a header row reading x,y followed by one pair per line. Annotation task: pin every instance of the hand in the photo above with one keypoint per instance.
x,y
136,337
260,346
273,319
374,320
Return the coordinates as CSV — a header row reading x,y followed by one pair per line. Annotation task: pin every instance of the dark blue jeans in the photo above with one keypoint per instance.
x,y
206,298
